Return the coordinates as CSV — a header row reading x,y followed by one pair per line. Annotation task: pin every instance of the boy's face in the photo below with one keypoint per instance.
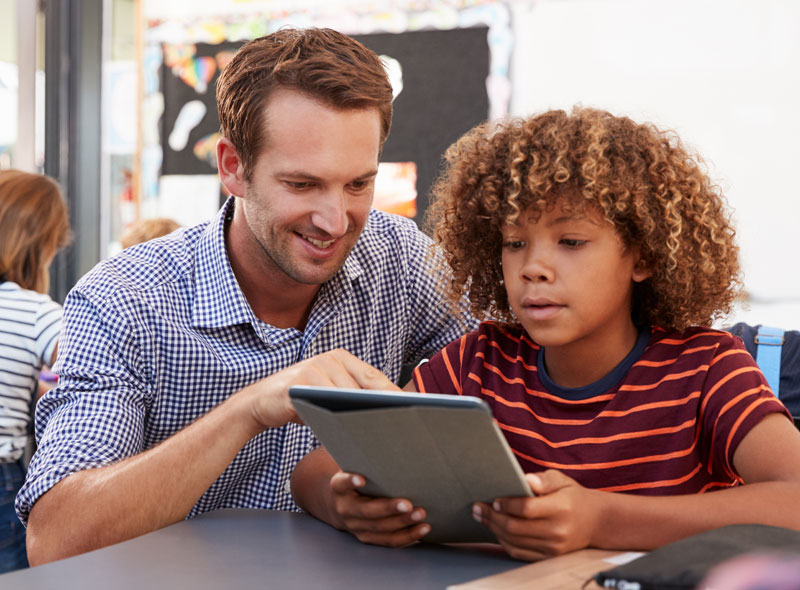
x,y
569,280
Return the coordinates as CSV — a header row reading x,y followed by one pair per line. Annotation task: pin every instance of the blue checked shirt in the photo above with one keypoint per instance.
x,y
160,334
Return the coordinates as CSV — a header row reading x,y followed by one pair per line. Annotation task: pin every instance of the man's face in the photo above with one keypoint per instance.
x,y
311,187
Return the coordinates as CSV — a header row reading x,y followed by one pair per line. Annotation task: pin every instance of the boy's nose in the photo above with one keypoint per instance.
x,y
537,269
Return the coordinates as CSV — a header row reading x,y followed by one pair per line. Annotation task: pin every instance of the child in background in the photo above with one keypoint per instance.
x,y
34,225
604,252
147,229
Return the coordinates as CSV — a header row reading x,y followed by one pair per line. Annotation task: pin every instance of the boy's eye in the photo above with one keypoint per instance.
x,y
572,242
513,244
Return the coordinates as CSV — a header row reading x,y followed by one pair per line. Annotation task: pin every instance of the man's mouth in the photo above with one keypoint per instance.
x,y
322,244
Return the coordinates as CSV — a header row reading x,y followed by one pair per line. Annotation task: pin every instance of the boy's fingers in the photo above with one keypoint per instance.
x,y
521,538
342,482
400,538
523,553
388,524
543,485
547,482
364,507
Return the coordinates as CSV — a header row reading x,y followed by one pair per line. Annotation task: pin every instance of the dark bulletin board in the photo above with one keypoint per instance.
x,y
177,93
444,95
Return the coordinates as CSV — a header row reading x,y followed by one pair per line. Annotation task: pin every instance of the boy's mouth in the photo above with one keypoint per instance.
x,y
541,309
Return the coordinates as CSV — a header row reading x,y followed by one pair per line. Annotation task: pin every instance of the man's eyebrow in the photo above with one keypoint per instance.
x,y
301,174
369,174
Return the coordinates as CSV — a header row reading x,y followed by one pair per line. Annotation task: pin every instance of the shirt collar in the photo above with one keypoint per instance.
x,y
218,300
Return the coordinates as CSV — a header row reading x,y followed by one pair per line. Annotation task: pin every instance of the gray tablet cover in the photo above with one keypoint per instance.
x,y
441,458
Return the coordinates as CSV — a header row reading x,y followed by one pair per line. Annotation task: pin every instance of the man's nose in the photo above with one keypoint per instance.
x,y
330,215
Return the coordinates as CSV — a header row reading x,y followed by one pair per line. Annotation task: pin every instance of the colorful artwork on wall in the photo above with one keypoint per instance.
x,y
449,66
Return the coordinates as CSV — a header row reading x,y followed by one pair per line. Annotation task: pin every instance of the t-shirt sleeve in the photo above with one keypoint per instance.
x,y
736,398
443,372
95,415
48,328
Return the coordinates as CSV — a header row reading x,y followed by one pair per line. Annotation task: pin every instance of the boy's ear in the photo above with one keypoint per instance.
x,y
641,271
231,170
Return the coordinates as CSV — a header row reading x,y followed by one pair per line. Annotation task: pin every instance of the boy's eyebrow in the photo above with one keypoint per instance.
x,y
569,218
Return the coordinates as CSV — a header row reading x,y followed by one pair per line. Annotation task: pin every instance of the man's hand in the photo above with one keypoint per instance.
x,y
271,406
561,517
98,507
391,522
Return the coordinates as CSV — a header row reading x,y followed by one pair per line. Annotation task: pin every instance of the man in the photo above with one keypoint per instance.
x,y
177,354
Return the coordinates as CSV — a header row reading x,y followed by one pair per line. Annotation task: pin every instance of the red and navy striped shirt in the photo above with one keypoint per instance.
x,y
666,421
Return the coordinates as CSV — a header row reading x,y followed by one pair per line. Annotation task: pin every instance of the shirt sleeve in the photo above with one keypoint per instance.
x,y
443,372
736,398
95,415
48,328
435,320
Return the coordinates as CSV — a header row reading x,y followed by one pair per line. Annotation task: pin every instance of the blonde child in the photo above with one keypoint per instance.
x,y
147,229
604,252
33,226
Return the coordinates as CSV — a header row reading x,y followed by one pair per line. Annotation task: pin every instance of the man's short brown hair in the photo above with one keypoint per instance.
x,y
322,63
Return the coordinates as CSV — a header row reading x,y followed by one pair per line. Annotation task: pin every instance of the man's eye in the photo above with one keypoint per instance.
x,y
299,186
359,185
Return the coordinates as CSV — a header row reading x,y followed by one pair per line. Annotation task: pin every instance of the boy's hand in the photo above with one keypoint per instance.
x,y
562,517
392,522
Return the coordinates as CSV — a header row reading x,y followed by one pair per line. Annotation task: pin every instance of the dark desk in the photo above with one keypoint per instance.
x,y
232,549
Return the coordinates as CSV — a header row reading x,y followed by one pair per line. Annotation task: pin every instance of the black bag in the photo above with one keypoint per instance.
x,y
682,565
777,353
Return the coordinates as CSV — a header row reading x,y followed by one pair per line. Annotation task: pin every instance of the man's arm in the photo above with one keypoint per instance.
x,y
99,507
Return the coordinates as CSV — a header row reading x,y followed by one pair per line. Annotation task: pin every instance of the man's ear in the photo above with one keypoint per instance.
x,y
231,170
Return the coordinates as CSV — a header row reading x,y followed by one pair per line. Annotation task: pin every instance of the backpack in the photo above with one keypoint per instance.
x,y
777,352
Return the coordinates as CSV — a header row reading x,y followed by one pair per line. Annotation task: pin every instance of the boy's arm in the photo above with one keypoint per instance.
x,y
320,488
566,516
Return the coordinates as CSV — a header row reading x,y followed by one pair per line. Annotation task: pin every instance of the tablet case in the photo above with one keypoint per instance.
x,y
684,564
441,458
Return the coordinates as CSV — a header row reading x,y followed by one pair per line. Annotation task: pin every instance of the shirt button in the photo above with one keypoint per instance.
x,y
287,487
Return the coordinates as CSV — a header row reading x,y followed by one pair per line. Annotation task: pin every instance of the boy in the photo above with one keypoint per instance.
x,y
604,250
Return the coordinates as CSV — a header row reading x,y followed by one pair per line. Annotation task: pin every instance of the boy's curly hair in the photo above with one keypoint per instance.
x,y
645,183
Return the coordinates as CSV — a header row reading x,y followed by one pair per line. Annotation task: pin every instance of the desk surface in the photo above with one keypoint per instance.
x,y
235,549
259,549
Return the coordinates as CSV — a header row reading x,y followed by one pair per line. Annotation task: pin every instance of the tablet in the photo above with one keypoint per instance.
x,y
442,452
366,399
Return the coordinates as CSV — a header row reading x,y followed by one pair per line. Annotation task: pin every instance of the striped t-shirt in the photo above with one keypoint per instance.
x,y
29,326
666,421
